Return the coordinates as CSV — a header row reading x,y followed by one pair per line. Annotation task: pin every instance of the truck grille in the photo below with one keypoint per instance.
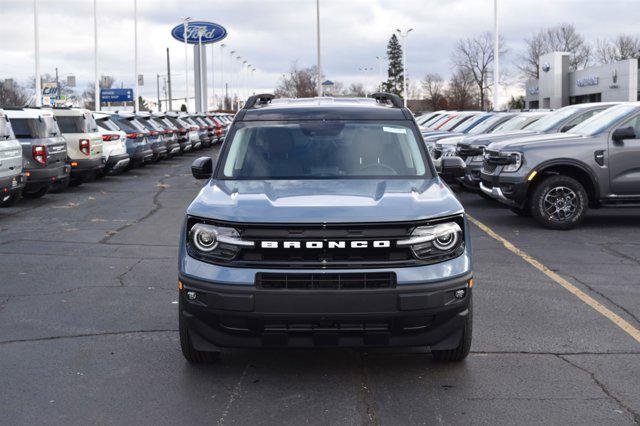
x,y
346,281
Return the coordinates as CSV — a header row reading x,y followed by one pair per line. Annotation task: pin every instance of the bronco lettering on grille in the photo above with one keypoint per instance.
x,y
325,244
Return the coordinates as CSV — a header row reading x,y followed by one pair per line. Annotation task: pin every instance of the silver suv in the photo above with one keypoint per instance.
x,y
11,178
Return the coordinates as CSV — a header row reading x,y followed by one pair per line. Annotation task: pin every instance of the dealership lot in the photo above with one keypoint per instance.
x,y
88,325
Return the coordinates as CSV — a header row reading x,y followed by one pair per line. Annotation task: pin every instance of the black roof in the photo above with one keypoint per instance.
x,y
324,108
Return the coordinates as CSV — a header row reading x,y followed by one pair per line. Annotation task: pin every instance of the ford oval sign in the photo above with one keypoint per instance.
x,y
209,31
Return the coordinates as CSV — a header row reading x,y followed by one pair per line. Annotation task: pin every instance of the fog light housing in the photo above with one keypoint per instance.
x,y
191,295
459,294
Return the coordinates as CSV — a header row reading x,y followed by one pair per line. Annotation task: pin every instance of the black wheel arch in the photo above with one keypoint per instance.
x,y
568,167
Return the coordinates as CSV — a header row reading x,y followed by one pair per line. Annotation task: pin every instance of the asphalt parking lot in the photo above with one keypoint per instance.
x,y
88,326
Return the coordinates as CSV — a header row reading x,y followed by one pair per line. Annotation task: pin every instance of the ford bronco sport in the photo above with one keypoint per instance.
x,y
11,177
555,178
324,223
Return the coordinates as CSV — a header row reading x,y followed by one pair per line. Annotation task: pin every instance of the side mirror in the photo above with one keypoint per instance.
x,y
202,168
623,133
452,167
567,127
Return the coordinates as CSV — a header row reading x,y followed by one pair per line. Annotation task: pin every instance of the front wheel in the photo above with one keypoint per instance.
x,y
191,354
559,202
460,352
35,194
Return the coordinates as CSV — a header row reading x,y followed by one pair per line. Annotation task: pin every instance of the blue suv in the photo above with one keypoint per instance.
x,y
324,223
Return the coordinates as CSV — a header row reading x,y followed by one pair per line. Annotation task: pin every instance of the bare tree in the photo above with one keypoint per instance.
x,y
562,38
433,86
474,57
12,94
357,90
88,96
461,92
622,47
300,83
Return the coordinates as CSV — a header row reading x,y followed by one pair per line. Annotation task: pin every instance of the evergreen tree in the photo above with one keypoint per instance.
x,y
396,71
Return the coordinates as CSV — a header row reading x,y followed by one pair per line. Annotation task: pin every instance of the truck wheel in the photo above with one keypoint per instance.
x,y
460,352
35,194
559,202
191,354
9,200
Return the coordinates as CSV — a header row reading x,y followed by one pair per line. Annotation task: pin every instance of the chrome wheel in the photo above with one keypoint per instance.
x,y
560,203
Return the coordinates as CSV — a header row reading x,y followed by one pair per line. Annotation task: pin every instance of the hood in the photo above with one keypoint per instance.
x,y
487,138
533,141
450,140
439,136
320,201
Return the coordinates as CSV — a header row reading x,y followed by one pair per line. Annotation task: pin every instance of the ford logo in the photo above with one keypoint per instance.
x,y
211,33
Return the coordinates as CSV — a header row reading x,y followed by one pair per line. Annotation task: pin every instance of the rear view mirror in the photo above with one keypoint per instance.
x,y
623,133
452,167
202,168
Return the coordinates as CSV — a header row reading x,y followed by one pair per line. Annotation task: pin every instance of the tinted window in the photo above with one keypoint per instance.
x,y
76,124
33,128
327,149
601,122
108,124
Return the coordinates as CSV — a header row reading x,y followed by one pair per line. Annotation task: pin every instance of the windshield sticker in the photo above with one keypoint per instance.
x,y
395,130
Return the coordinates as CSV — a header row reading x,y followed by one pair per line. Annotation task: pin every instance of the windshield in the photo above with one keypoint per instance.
x,y
35,128
602,121
516,123
486,125
552,120
454,122
107,124
76,124
323,149
473,121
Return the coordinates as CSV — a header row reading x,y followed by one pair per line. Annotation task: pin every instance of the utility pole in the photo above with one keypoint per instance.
x,y
319,77
169,80
496,56
213,82
404,62
96,82
36,36
135,52
158,88
185,23
57,84
223,84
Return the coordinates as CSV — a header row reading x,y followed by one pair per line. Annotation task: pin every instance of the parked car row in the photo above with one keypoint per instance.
x,y
44,149
551,166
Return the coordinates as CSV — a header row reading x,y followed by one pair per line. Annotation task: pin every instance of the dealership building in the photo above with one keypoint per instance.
x,y
558,86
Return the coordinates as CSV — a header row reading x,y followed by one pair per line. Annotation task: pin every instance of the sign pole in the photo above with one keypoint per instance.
x,y
38,95
135,52
185,23
96,83
319,76
496,56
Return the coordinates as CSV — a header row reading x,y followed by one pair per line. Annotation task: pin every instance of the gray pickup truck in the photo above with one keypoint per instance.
x,y
324,224
555,178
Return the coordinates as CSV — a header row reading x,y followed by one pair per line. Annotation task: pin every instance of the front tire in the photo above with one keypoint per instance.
x,y
559,202
191,354
38,193
460,352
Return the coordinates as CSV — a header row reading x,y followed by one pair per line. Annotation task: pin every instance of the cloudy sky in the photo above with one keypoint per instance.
x,y
271,34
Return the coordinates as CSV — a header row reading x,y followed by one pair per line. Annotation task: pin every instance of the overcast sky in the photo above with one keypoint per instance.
x,y
271,34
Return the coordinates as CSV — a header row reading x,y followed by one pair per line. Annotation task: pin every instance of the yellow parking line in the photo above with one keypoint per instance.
x,y
599,307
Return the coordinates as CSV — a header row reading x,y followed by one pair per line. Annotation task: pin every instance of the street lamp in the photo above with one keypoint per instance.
x,y
96,86
364,70
224,95
496,56
136,96
36,36
239,82
319,76
245,70
185,23
203,101
380,60
404,62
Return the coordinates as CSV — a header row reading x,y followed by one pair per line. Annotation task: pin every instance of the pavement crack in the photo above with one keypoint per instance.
x,y
71,290
621,403
610,250
233,396
617,305
366,405
4,301
77,336
122,275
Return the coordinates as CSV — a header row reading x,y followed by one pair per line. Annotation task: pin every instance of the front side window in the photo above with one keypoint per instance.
x,y
553,120
323,150
603,121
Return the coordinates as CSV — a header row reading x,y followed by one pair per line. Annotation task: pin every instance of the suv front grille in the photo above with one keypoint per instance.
x,y
331,281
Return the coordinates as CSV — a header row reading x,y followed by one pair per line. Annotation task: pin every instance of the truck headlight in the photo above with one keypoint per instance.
x,y
515,162
208,241
435,242
448,150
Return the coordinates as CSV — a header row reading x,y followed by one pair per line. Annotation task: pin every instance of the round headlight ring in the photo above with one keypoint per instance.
x,y
205,239
446,242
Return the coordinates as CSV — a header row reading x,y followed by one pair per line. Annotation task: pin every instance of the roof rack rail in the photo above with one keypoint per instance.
x,y
383,97
261,99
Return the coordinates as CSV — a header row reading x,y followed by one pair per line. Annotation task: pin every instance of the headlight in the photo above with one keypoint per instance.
x,y
208,241
435,242
448,150
515,162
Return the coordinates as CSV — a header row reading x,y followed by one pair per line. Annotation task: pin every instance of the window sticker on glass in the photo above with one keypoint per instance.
x,y
395,130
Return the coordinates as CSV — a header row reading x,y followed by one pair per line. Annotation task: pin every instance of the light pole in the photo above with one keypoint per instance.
x,y
496,56
185,23
253,81
201,72
135,53
319,77
36,36
222,46
404,62
239,80
364,76
213,81
245,69
95,57
231,101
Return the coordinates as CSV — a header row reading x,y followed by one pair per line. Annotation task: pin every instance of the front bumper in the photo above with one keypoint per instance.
x,y
141,156
47,176
508,189
426,314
